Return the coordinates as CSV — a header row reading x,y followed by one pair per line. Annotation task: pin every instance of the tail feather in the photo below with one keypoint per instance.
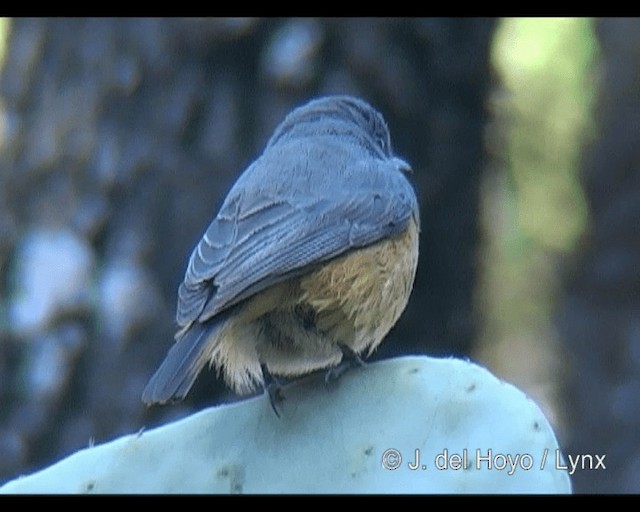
x,y
184,361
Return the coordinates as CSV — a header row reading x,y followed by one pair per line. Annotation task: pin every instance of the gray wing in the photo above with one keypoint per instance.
x,y
261,240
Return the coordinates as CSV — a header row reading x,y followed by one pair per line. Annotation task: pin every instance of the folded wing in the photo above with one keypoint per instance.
x,y
260,239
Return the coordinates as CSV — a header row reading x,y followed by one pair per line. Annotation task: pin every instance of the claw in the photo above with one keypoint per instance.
x,y
273,387
349,360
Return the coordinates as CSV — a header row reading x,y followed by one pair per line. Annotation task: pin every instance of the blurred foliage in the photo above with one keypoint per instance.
x,y
4,29
5,25
546,65
534,209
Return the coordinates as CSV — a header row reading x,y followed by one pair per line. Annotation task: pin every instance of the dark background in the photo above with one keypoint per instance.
x,y
119,139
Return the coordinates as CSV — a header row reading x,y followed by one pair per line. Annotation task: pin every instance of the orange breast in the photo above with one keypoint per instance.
x,y
360,296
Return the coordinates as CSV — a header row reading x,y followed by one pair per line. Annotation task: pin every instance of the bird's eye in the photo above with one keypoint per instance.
x,y
383,142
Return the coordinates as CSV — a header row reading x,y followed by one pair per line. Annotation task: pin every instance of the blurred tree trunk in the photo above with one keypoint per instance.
x,y
601,317
129,133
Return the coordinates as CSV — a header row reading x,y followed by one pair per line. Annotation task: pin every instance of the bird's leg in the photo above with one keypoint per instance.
x,y
349,360
273,387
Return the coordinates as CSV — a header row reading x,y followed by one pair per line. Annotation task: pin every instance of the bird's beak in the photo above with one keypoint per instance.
x,y
402,165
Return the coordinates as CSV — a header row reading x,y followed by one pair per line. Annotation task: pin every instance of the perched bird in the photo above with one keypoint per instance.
x,y
310,260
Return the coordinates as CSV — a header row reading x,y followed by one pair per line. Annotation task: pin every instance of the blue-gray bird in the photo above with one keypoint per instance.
x,y
312,256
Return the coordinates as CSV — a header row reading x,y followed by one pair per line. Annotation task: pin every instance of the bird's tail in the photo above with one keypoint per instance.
x,y
184,361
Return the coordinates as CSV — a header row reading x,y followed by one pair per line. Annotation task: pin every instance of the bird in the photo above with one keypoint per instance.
x,y
309,262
